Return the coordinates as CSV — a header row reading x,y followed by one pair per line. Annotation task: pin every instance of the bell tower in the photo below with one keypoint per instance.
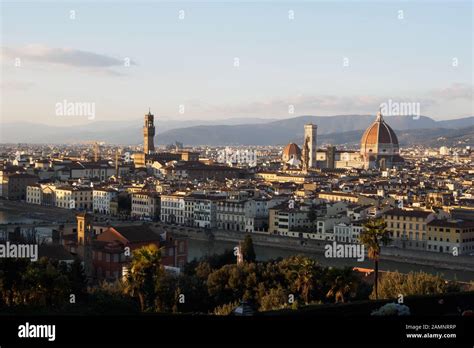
x,y
310,134
85,234
148,134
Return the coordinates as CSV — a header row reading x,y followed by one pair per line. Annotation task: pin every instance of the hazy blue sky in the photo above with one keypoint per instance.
x,y
190,61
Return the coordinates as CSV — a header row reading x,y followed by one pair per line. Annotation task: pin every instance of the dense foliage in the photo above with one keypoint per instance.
x,y
394,284
215,285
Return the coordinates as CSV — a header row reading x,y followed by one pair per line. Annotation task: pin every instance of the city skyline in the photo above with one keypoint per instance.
x,y
212,61
167,167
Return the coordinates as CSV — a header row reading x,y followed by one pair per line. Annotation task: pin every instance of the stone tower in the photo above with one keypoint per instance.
x,y
85,234
148,134
310,132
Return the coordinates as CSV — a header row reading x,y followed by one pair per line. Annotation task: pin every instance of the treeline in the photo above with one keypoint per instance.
x,y
212,285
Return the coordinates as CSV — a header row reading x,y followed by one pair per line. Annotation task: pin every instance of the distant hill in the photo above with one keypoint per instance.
x,y
117,132
331,129
284,131
430,137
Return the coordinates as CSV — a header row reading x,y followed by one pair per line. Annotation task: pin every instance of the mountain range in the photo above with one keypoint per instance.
x,y
340,129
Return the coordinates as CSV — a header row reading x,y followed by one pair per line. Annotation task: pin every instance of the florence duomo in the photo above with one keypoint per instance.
x,y
379,149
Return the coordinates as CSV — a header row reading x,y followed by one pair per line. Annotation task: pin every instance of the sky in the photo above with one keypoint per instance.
x,y
214,60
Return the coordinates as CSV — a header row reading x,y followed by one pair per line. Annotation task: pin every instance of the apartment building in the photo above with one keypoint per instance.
x,y
200,210
101,199
451,236
41,194
348,232
146,205
231,215
173,208
74,197
408,227
13,185
336,196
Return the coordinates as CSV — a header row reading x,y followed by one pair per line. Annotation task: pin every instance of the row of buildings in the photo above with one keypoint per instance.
x,y
427,200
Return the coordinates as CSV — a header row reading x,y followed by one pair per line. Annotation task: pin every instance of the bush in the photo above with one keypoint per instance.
x,y
393,284
277,298
226,309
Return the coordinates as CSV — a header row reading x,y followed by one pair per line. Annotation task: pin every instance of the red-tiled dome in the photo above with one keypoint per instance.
x,y
379,132
291,151
379,139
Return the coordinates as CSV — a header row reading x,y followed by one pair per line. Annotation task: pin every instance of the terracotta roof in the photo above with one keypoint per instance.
x,y
140,233
291,150
452,223
410,213
55,252
377,133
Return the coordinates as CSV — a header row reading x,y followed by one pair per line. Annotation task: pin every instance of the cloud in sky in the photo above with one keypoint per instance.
x,y
310,104
65,56
455,91
17,85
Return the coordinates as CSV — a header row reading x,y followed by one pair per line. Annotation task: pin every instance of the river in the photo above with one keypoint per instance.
x,y
8,217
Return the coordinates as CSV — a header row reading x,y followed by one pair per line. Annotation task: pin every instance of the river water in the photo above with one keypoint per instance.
x,y
8,217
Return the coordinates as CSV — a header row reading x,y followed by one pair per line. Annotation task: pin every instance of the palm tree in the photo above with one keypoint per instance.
x,y
374,234
344,283
145,272
305,277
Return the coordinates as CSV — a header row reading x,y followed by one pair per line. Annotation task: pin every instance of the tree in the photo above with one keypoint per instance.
x,y
124,203
77,277
305,278
247,249
146,272
167,293
393,284
373,235
276,298
301,274
343,284
44,284
312,214
235,283
10,278
216,261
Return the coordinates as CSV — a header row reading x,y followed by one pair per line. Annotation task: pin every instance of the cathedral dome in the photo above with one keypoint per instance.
x,y
291,151
379,139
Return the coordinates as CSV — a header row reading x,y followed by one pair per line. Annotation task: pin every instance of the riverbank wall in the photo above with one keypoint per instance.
x,y
426,258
